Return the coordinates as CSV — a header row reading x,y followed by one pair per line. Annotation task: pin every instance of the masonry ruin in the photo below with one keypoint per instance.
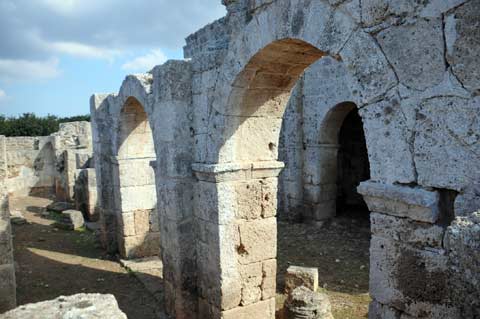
x,y
300,110
407,69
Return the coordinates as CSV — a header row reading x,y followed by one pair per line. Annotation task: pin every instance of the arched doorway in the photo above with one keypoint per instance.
x,y
331,230
239,193
135,192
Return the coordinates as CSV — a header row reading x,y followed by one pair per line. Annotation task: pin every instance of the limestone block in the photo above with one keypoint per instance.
x,y
462,33
262,309
445,146
422,40
389,141
328,29
135,172
269,272
72,219
176,199
143,245
252,277
126,223
468,201
463,246
413,280
87,306
301,277
320,164
302,303
142,221
370,74
258,240
138,197
415,203
406,230
437,7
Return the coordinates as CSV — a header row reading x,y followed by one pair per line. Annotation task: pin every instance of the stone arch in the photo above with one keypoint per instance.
x,y
238,169
247,172
321,179
134,182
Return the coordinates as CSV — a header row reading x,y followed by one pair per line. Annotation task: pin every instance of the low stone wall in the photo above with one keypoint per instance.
x,y
31,165
59,165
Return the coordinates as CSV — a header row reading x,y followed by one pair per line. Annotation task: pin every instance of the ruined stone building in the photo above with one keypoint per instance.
x,y
58,166
279,111
197,143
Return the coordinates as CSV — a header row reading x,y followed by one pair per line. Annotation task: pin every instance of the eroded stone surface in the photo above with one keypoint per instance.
x,y
410,69
77,306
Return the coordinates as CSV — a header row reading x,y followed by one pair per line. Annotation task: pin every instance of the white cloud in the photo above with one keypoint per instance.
x,y
14,70
3,95
146,62
83,50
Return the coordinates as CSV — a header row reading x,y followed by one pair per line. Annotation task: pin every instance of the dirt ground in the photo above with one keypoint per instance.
x,y
340,251
53,262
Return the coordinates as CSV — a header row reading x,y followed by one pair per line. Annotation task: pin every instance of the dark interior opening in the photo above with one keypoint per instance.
x,y
353,167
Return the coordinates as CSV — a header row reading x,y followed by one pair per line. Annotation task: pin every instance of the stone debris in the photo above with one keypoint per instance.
x,y
301,277
81,306
71,220
302,303
17,218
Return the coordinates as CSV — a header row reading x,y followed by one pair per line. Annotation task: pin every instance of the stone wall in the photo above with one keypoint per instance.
x,y
31,165
7,268
410,68
48,165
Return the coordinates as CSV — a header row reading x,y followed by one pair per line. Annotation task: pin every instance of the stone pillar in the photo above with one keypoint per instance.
x,y
136,201
320,181
409,275
178,250
235,211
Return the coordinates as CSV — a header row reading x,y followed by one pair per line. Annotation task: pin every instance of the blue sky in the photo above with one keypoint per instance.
x,y
55,53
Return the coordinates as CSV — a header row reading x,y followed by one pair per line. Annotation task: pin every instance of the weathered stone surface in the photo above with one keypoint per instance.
x,y
301,277
72,219
224,110
463,247
447,144
462,33
302,303
402,201
406,230
422,40
388,141
86,306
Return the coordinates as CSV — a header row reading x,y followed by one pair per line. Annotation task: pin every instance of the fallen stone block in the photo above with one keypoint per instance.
x,y
85,306
71,220
301,276
17,218
302,303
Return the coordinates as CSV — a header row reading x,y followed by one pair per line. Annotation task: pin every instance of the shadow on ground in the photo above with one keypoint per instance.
x,y
52,262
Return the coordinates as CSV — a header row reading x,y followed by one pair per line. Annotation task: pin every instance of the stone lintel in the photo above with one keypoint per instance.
x,y
402,201
236,171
